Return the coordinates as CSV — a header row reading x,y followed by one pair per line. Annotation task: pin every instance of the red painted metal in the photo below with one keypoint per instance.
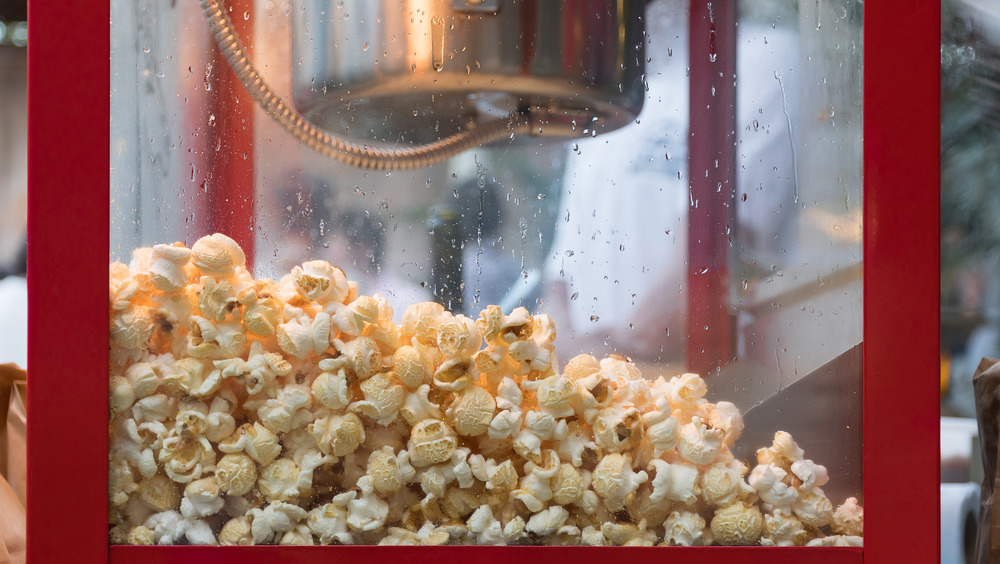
x,y
68,234
480,554
231,175
901,280
67,271
712,177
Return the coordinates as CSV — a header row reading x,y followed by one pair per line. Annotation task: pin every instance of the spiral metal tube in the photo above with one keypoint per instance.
x,y
362,156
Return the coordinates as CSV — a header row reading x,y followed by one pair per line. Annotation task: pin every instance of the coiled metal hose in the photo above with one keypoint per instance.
x,y
362,156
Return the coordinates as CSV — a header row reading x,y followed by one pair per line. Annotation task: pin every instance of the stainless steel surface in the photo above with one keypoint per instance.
x,y
821,410
361,155
417,70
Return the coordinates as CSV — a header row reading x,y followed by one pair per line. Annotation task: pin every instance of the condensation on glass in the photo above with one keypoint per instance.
x,y
332,370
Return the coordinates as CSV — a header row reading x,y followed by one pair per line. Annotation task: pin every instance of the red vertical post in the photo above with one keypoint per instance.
x,y
902,157
712,182
231,174
68,234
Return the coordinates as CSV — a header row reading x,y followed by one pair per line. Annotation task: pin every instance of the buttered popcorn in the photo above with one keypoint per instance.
x,y
248,411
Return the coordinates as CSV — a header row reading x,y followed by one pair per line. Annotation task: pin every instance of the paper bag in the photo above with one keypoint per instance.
x,y
986,385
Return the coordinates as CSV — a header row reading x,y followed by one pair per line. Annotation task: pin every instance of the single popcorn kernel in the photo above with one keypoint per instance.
x,y
433,441
236,473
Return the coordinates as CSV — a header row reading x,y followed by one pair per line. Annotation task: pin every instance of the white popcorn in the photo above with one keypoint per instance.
x,y
215,340
169,527
726,417
121,483
615,481
699,443
472,411
431,535
737,524
485,526
457,336
185,460
217,255
303,339
142,378
289,410
398,536
201,499
332,389
158,407
236,473
675,482
361,356
685,395
592,536
277,517
236,532
329,523
417,406
432,441
279,480
684,528
577,445
338,435
319,281
782,452
812,475
849,518
556,396
534,492
299,536
216,299
221,423
768,480
383,399
722,483
662,430
366,512
813,508
547,521
617,428
166,269
308,463
781,529
514,529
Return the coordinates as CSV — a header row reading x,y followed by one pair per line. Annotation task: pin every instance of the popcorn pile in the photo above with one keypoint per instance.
x,y
247,412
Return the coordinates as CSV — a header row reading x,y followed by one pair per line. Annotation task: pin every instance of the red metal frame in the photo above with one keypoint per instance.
x,y
902,217
712,177
232,171
67,275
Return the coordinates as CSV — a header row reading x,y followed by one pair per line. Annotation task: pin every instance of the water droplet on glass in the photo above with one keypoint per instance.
x,y
570,253
541,196
145,47
594,317
246,15
575,295
712,57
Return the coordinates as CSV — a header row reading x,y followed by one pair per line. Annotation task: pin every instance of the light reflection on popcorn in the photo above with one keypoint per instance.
x,y
252,412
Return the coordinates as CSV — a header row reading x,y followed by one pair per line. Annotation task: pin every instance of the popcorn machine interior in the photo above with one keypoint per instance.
x,y
486,272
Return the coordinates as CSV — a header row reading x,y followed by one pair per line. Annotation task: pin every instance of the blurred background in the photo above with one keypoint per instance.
x,y
970,261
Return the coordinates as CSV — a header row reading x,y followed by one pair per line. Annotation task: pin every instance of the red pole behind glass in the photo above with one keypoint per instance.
x,y
712,174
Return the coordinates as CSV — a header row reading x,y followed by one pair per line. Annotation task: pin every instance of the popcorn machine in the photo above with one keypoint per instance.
x,y
483,272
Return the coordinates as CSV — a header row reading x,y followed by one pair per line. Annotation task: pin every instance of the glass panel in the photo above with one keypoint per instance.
x,y
497,348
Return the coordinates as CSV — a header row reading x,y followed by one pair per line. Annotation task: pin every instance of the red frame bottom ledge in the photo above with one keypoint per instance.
x,y
477,554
